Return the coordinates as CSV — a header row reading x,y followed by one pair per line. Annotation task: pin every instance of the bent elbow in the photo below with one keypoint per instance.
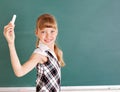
x,y
18,74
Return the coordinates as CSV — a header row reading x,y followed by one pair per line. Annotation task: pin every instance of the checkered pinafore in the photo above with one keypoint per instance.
x,y
48,75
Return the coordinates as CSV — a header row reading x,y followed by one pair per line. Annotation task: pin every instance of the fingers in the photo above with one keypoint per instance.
x,y
8,28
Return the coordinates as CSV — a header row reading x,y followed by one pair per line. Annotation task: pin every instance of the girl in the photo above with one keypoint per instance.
x,y
47,57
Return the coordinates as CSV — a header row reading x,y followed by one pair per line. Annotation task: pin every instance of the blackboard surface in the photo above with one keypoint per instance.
x,y
89,35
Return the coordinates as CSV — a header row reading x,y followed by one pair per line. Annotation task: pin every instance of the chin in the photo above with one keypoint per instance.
x,y
49,43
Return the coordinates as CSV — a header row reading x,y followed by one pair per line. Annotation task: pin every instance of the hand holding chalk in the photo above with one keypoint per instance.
x,y
13,19
9,31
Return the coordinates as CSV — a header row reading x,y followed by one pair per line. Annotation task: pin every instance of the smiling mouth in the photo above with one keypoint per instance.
x,y
48,40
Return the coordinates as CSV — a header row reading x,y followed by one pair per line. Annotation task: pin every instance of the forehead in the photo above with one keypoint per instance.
x,y
48,29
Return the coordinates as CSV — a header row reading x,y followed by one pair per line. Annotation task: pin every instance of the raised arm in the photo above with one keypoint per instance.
x,y
19,69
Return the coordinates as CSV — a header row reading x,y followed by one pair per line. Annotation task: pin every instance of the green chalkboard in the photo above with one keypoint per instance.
x,y
89,35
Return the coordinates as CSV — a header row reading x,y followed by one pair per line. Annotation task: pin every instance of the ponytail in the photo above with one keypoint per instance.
x,y
59,55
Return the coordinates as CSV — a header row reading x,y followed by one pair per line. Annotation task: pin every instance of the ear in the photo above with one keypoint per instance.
x,y
36,32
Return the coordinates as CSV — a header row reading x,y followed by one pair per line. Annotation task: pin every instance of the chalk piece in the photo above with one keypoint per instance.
x,y
13,19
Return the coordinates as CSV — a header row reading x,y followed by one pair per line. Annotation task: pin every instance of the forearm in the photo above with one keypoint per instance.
x,y
21,70
15,60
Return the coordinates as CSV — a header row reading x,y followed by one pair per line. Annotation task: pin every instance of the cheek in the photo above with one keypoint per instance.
x,y
56,34
41,36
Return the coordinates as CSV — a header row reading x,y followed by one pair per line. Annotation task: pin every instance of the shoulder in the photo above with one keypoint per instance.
x,y
38,58
39,51
39,55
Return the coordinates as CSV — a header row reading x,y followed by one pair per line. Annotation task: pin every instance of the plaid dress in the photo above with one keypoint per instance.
x,y
49,73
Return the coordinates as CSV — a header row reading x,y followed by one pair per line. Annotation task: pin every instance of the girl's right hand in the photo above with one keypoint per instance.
x,y
9,33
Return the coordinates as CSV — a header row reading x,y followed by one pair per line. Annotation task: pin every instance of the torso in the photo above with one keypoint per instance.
x,y
48,75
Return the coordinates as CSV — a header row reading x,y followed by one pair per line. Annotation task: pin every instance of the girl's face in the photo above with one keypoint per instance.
x,y
47,35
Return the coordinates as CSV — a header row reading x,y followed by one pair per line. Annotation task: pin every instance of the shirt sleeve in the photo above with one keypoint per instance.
x,y
39,51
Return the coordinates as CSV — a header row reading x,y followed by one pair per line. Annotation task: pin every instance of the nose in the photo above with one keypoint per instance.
x,y
48,35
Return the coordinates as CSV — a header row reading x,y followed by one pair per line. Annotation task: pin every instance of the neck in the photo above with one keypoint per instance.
x,y
51,47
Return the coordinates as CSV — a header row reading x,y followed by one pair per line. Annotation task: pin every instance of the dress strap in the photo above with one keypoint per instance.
x,y
50,54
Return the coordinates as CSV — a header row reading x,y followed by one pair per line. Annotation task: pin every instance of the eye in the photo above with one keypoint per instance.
x,y
42,32
52,31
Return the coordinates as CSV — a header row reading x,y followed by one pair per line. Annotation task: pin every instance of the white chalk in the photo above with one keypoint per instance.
x,y
13,19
